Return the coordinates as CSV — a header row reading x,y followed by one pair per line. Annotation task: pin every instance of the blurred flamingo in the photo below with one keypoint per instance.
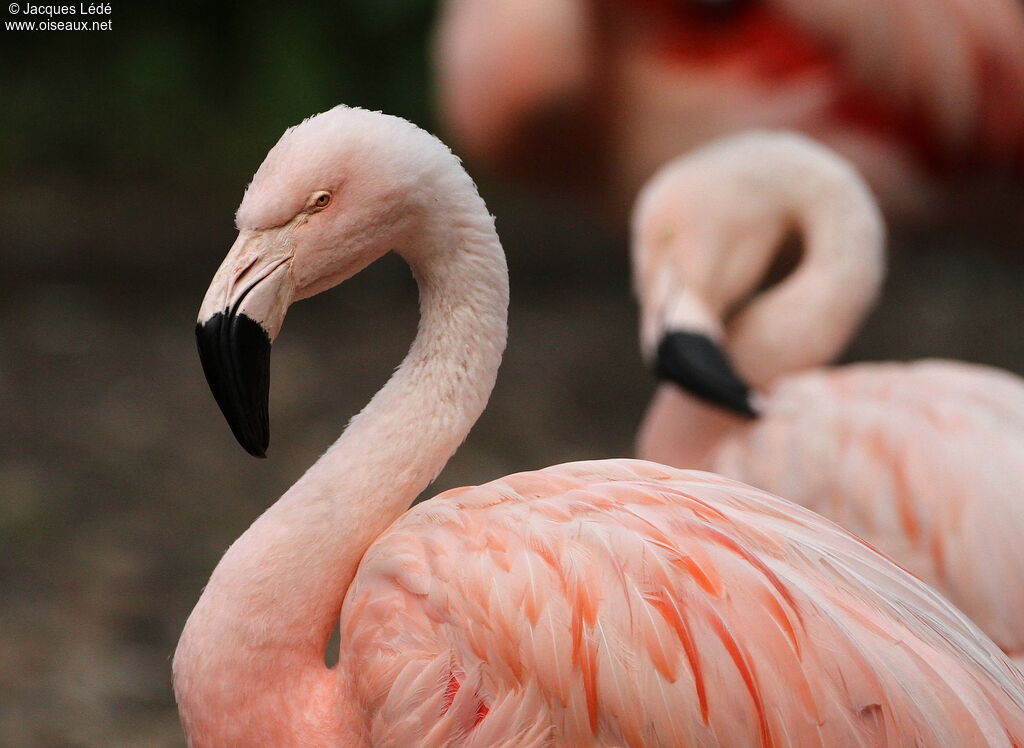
x,y
907,89
596,603
924,460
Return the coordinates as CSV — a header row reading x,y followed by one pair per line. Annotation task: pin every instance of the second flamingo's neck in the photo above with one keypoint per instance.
x,y
256,639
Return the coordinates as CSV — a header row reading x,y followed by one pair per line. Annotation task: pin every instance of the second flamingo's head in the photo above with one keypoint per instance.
x,y
708,234
337,192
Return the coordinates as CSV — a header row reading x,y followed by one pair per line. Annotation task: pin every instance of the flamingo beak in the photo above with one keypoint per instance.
x,y
239,319
697,364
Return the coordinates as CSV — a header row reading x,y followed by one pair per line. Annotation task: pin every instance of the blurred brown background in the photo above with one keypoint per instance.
x,y
124,155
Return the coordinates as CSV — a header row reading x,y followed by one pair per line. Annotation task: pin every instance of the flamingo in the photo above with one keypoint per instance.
x,y
615,602
924,460
910,90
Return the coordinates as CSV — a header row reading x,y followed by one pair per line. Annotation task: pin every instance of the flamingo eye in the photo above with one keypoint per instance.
x,y
322,200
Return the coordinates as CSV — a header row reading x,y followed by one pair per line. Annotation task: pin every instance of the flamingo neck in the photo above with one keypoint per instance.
x,y
252,652
708,226
808,319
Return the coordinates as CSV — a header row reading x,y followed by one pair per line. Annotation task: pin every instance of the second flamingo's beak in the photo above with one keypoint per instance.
x,y
239,319
697,364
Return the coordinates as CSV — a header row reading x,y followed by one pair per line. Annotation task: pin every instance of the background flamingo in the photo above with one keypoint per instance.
x,y
614,602
924,460
907,90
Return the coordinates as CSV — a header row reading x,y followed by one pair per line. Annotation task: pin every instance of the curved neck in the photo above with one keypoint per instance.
x,y
807,319
708,226
257,637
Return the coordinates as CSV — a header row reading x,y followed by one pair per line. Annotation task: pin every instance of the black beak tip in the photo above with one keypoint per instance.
x,y
255,449
235,354
743,408
698,365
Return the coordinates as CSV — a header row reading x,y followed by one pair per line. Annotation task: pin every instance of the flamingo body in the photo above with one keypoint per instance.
x,y
592,604
925,461
908,90
622,602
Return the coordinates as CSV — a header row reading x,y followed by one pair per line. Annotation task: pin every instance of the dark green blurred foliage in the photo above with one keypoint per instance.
x,y
127,150
199,90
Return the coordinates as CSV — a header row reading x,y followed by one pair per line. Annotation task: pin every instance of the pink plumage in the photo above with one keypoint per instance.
x,y
924,460
625,603
600,603
907,89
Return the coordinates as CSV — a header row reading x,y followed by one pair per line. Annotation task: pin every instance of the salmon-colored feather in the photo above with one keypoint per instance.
x,y
802,622
925,461
944,501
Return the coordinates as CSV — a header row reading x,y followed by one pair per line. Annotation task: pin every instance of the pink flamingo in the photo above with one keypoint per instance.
x,y
907,89
615,602
924,460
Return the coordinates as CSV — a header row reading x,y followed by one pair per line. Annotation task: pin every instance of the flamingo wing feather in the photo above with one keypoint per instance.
x,y
626,603
924,460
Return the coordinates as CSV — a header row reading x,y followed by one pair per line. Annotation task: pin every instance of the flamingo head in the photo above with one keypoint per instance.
x,y
334,194
725,299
